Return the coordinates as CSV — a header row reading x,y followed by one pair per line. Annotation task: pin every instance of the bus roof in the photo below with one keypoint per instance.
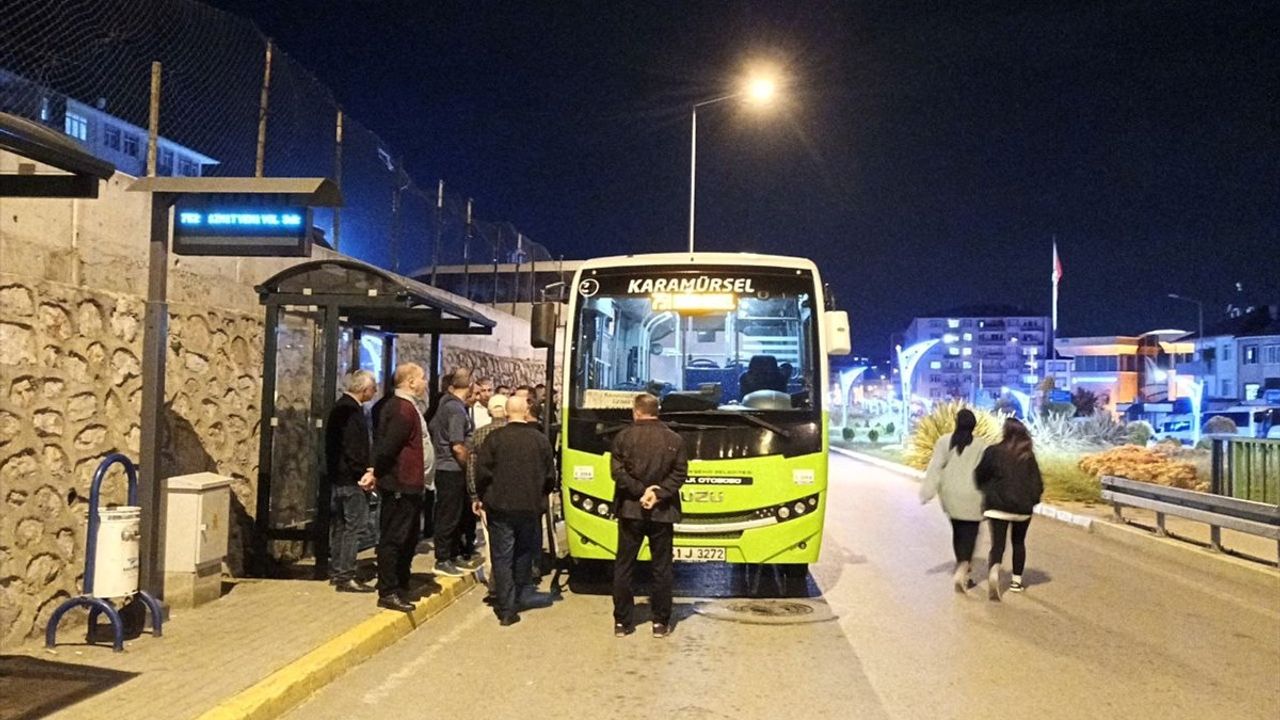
x,y
701,258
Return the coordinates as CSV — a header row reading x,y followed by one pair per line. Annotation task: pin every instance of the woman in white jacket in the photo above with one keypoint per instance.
x,y
950,476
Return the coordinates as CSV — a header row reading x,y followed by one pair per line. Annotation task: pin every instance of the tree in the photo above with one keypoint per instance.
x,y
873,436
1085,401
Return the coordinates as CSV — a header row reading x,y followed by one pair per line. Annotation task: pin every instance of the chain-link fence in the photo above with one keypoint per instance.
x,y
230,100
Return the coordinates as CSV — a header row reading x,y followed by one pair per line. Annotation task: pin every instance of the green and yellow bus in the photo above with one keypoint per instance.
x,y
735,346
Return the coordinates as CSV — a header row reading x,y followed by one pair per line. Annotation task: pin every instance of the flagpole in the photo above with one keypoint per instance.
x,y
1056,275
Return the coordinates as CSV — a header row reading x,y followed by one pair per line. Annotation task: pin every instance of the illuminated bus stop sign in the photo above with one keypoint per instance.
x,y
242,226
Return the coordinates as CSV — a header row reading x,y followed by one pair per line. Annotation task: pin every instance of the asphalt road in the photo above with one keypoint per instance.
x,y
1101,632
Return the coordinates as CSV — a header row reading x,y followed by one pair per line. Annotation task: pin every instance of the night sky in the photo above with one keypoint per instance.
x,y
924,157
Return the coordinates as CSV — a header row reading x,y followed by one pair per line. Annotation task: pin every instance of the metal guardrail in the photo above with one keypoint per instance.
x,y
1246,468
1216,511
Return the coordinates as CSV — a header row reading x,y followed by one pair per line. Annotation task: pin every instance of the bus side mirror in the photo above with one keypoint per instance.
x,y
837,331
542,325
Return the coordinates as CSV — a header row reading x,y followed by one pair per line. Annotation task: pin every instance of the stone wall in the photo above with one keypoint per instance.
x,y
72,283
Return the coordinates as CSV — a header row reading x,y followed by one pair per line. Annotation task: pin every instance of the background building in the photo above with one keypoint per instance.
x,y
101,133
982,350
1238,359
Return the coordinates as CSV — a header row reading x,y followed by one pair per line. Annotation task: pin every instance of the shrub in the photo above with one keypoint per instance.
x,y
1064,480
1085,402
1158,465
1060,409
940,420
848,434
1101,428
873,436
1219,425
889,429
1138,432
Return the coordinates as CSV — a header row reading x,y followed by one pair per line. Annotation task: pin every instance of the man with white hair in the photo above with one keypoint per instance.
x,y
347,461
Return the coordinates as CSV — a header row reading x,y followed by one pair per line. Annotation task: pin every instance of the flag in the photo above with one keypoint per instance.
x,y
1057,265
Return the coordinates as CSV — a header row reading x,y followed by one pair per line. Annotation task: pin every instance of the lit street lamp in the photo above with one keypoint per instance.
x,y
907,360
759,90
1200,316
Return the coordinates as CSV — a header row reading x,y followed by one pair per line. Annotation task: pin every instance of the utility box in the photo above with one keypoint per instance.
x,y
197,520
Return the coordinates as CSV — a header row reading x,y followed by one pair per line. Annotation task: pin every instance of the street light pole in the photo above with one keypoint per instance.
x,y
759,90
693,172
693,157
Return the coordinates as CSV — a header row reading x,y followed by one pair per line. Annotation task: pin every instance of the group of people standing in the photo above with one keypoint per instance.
x,y
480,455
975,480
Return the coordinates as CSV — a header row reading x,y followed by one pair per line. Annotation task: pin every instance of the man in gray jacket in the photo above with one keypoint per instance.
x,y
649,465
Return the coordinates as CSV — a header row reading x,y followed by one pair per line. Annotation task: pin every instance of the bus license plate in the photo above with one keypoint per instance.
x,y
699,554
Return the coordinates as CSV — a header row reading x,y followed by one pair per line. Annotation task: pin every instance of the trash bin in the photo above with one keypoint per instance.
x,y
115,565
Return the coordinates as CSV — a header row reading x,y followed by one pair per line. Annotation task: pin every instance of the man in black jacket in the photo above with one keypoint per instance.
x,y
515,470
347,460
649,466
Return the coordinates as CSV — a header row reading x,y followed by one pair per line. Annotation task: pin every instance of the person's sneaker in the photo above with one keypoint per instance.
x,y
1016,586
993,584
509,620
470,564
621,630
661,630
448,569
959,577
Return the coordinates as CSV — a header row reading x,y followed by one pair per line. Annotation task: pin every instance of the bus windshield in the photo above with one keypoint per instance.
x,y
724,339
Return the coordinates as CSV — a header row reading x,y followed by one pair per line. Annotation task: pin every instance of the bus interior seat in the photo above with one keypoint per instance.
x,y
763,373
725,378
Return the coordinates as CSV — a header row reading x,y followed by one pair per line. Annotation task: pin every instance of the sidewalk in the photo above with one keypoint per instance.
x,y
256,651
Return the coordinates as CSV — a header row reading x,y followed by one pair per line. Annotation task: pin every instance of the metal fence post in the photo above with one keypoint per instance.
x,y
153,122
337,179
1215,474
260,158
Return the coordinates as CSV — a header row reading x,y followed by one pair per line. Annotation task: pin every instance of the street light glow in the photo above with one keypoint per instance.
x,y
761,90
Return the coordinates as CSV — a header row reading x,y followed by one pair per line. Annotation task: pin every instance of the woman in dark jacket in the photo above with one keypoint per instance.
x,y
1009,479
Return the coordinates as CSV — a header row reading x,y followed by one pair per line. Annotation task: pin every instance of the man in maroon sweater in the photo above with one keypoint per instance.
x,y
400,466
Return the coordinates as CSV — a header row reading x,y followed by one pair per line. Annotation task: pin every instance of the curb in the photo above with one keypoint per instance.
x,y
285,688
1241,570
880,462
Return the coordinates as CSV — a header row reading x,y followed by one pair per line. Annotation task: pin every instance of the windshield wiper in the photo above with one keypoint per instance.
x,y
602,429
732,413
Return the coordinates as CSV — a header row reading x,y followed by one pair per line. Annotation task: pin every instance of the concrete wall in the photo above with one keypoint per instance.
x,y
72,288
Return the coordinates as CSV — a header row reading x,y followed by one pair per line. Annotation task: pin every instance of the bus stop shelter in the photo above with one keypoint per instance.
x,y
324,319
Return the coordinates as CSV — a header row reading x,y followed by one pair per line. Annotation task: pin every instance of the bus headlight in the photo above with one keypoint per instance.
x,y
588,504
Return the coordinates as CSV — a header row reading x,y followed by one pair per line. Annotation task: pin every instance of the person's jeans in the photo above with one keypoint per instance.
x,y
511,547
451,502
349,513
631,534
398,540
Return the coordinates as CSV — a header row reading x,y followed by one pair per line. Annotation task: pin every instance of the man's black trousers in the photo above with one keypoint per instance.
x,y
398,539
631,534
